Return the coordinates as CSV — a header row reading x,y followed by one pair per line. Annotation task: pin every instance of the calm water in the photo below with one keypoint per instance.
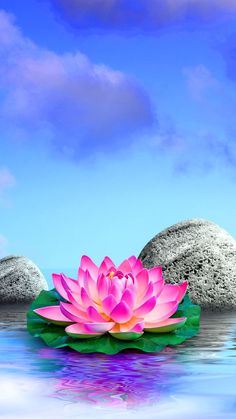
x,y
194,380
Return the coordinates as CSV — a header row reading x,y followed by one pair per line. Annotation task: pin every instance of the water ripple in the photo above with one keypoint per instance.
x,y
201,369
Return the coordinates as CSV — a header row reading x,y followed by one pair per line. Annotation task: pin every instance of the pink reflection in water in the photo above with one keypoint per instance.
x,y
126,379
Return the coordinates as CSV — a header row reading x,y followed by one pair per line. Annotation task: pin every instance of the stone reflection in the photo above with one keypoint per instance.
x,y
217,331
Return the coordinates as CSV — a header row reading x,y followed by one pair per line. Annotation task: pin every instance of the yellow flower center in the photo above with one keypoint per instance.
x,y
111,274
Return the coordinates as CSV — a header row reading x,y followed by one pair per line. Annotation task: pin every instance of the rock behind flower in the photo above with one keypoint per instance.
x,y
20,279
201,252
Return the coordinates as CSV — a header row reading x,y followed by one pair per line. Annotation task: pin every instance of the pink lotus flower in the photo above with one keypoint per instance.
x,y
124,301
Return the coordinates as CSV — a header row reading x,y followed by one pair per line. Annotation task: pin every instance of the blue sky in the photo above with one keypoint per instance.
x,y
115,123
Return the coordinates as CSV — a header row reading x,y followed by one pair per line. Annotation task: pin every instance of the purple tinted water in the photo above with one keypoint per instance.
x,y
196,379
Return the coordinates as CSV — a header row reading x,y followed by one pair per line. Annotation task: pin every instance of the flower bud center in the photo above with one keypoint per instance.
x,y
111,274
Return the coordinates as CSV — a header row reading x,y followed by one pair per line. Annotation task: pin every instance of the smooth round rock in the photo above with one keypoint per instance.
x,y
201,252
20,280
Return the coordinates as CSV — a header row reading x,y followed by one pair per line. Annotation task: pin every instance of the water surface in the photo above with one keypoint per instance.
x,y
196,379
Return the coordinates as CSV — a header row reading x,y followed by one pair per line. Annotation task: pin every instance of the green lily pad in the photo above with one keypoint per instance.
x,y
126,335
56,337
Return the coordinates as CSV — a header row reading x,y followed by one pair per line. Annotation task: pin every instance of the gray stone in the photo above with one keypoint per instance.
x,y
201,252
20,279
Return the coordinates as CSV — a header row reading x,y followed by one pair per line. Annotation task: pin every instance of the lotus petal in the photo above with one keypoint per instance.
x,y
134,325
125,267
70,284
87,264
124,282
109,263
132,260
129,331
145,308
161,312
149,292
108,304
115,289
158,287
85,298
138,328
128,281
182,290
99,327
80,332
94,316
129,297
57,281
102,286
141,283
81,274
168,293
73,313
103,268
165,326
53,314
137,267
91,286
155,274
121,313
75,299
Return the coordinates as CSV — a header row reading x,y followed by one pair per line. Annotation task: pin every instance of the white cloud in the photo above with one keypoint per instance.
x,y
82,107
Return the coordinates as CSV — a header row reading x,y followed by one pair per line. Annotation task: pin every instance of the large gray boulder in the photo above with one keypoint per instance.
x,y
201,252
20,279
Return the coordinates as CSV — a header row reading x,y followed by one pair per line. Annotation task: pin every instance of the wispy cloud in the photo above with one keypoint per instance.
x,y
143,15
80,106
199,80
201,150
228,50
7,180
